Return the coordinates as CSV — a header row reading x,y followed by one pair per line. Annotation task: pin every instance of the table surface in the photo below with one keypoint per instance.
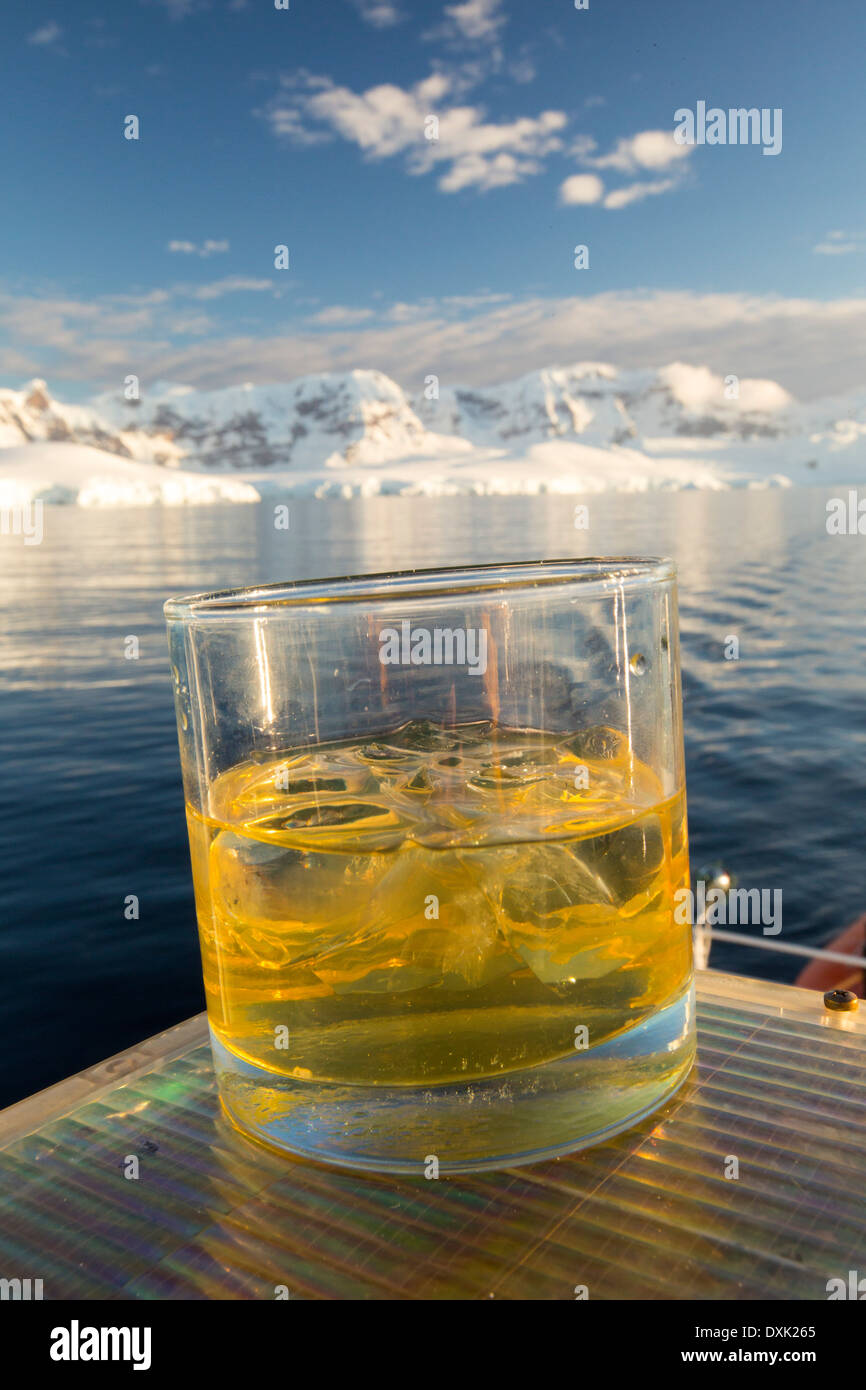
x,y
779,1085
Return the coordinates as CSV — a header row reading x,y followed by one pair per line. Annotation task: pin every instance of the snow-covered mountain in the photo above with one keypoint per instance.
x,y
327,420
363,417
586,427
595,402
32,416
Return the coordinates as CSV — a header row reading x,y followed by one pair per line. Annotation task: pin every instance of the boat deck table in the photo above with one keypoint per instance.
x,y
656,1213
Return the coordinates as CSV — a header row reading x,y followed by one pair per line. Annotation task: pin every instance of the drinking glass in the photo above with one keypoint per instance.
x,y
438,833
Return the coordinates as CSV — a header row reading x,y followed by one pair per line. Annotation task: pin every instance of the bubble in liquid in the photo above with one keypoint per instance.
x,y
638,664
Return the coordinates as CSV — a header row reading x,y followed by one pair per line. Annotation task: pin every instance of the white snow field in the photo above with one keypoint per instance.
x,y
93,478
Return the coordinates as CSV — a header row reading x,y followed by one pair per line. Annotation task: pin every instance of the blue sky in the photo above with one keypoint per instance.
x,y
306,127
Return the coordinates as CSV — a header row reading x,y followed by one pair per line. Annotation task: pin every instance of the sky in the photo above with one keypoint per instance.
x,y
430,169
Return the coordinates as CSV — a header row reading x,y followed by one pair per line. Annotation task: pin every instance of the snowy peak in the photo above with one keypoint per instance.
x,y
330,418
33,416
555,403
604,406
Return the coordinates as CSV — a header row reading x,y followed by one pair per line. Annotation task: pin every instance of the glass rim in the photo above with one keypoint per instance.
x,y
596,572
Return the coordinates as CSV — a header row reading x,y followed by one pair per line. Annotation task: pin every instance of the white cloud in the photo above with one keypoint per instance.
x,y
48,33
522,69
449,306
836,248
190,325
484,154
814,347
636,192
409,313
581,147
840,244
649,149
697,388
581,188
483,173
287,121
388,120
232,284
191,248
382,121
382,14
477,19
338,315
474,301
114,322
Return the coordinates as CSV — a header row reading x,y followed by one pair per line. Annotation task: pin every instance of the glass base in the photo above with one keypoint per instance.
x,y
517,1117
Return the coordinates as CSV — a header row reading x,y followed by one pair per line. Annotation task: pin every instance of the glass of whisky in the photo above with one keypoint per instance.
x,y
438,836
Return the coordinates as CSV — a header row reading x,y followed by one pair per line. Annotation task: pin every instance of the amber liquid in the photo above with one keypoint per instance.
x,y
443,904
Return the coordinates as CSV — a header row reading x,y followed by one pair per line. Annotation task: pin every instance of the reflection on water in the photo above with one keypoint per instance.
x,y
775,742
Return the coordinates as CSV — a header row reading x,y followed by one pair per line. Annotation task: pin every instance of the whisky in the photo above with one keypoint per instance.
x,y
439,904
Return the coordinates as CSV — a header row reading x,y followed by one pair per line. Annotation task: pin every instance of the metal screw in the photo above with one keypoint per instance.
x,y
841,1001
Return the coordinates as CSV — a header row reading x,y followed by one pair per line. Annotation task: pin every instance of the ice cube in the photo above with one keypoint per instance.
x,y
281,905
559,914
259,789
629,859
335,822
520,768
562,965
430,924
544,882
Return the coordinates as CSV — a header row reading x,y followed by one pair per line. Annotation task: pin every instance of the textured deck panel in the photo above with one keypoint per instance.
x,y
779,1085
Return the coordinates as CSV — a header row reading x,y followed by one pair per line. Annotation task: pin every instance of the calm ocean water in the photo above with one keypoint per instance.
x,y
775,742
